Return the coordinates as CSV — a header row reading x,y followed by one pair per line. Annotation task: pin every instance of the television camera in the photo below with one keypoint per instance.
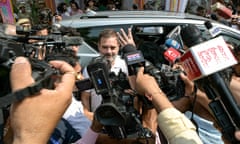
x,y
38,49
117,112
167,78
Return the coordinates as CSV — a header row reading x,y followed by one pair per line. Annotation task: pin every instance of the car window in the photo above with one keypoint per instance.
x,y
86,53
90,34
140,32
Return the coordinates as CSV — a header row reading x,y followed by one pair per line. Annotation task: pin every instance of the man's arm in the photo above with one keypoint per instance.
x,y
174,125
86,98
29,118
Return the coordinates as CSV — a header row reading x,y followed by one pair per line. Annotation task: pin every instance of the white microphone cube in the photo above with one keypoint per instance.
x,y
207,58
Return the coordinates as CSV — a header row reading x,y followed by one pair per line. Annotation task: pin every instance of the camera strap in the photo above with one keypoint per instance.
x,y
42,75
21,94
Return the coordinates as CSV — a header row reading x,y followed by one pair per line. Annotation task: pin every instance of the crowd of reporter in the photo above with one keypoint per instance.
x,y
30,121
40,117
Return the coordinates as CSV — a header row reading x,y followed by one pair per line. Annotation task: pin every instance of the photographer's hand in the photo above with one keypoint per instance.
x,y
96,125
34,118
146,85
174,125
189,85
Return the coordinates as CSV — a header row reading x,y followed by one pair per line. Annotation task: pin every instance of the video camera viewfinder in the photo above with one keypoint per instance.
x,y
98,72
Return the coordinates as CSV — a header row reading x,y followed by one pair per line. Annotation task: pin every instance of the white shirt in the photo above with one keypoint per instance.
x,y
96,100
75,116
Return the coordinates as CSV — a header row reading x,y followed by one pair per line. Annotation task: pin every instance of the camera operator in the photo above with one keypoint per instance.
x,y
30,118
76,123
75,114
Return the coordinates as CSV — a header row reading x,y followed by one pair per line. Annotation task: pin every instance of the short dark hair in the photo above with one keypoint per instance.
x,y
107,33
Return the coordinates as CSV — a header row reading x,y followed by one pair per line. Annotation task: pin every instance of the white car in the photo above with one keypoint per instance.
x,y
147,26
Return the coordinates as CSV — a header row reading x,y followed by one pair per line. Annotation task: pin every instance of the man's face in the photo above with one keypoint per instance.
x,y
75,48
109,47
43,32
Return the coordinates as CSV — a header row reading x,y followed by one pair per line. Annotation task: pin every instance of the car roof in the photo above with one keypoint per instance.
x,y
145,13
105,18
128,17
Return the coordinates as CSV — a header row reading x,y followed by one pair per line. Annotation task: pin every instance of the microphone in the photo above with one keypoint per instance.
x,y
128,48
172,43
172,50
172,55
133,57
206,59
175,44
213,31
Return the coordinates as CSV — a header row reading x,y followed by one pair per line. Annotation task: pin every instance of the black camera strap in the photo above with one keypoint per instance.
x,y
20,94
16,96
41,73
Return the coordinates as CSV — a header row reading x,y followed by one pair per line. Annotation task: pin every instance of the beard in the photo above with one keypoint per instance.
x,y
110,58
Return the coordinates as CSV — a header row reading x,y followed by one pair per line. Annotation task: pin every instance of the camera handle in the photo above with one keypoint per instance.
x,y
144,132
